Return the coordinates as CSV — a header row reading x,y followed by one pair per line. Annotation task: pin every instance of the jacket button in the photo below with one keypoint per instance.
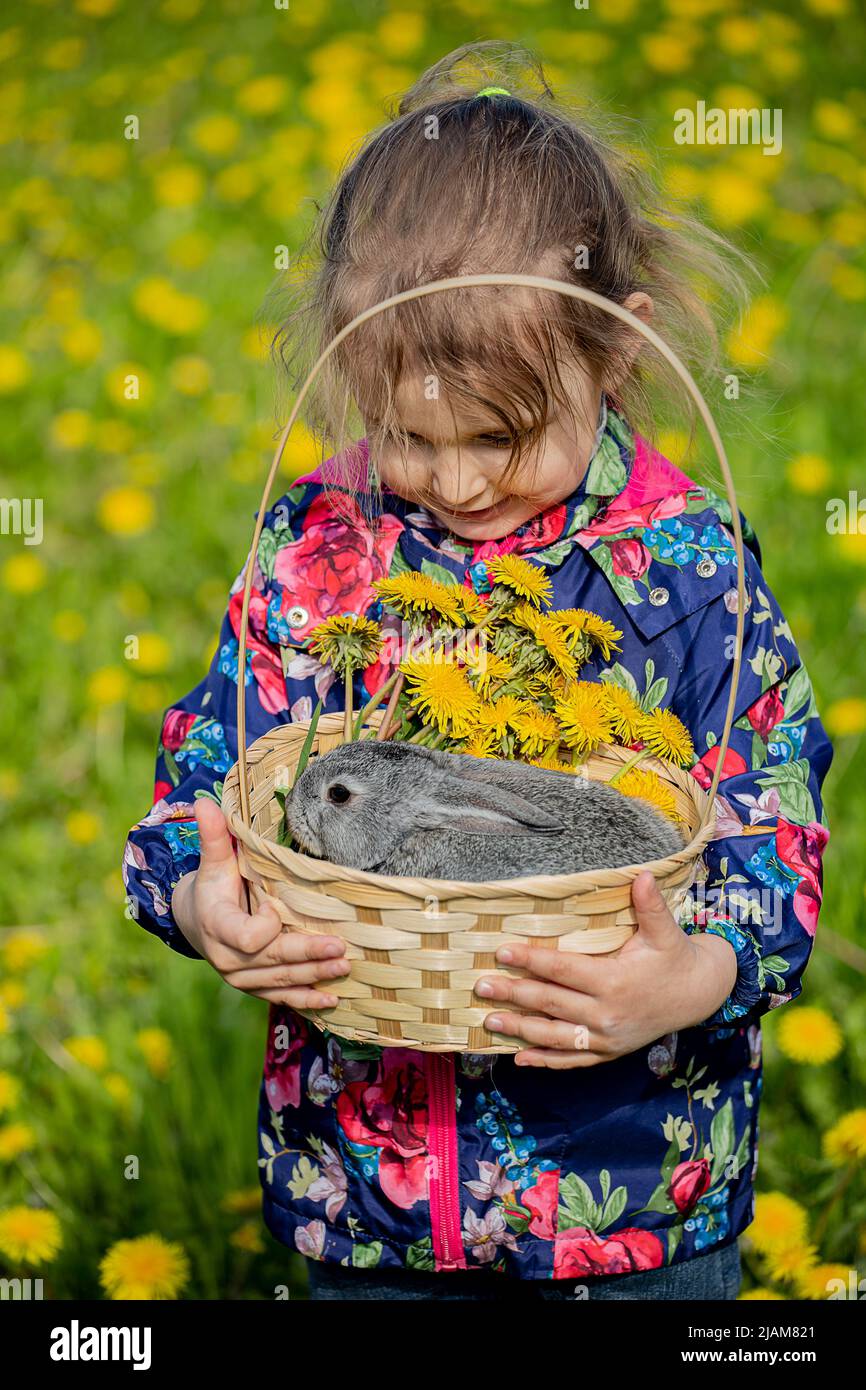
x,y
658,596
297,616
706,567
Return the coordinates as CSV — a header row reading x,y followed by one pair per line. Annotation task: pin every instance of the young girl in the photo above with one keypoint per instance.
x,y
613,1156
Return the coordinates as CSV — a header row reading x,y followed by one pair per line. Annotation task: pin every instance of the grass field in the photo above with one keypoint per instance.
x,y
154,255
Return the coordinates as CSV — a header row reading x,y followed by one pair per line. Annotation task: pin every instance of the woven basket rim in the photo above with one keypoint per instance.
x,y
311,869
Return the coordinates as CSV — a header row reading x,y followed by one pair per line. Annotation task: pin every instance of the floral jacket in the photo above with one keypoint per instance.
x,y
393,1157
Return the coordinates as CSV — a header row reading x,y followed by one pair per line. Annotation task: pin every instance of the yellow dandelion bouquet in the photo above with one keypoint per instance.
x,y
492,684
497,677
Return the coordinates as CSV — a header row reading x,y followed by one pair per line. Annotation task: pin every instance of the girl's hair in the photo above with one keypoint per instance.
x,y
457,184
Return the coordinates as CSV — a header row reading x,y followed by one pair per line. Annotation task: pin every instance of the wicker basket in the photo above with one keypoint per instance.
x,y
417,946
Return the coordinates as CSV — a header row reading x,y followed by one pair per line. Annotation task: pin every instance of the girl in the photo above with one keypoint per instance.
x,y
505,422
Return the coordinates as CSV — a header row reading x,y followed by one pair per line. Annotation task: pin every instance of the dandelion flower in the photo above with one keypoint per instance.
x,y
346,641
498,716
481,744
583,716
147,1268
23,574
414,595
666,736
536,729
248,1237
809,1034
624,711
441,693
126,511
10,1090
242,1201
779,1222
89,1050
23,948
648,786
788,1264
579,622
549,635
761,1295
155,1046
552,764
846,1141
29,1235
15,1138
819,1281
486,669
521,577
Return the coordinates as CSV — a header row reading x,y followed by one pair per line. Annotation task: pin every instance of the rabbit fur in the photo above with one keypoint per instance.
x,y
398,808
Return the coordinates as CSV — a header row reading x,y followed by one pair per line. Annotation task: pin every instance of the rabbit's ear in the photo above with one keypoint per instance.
x,y
455,804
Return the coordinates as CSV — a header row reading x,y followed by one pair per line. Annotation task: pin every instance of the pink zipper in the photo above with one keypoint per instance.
x,y
443,1176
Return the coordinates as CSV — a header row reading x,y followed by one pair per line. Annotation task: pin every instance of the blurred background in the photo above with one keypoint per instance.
x,y
155,256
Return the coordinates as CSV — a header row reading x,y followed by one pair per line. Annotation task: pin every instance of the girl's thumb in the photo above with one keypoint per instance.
x,y
215,843
653,914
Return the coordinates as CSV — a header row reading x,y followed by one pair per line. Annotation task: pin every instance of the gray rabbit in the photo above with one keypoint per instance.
x,y
397,808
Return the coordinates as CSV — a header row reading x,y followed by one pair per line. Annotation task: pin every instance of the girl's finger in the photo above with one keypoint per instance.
x,y
299,998
215,844
557,1061
538,997
243,934
286,976
545,1032
571,969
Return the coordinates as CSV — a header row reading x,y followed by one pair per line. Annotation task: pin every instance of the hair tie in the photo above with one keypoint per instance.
x,y
493,92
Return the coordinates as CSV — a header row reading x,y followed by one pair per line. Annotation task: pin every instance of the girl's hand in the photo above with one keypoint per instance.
x,y
589,1009
251,952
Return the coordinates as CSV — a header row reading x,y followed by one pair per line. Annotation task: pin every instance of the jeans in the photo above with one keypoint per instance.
x,y
706,1277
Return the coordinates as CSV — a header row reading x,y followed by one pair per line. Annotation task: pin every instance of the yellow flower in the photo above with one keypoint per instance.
x,y
71,429
217,134
118,1088
521,577
145,1268
845,1142
735,197
346,641
579,622
158,301
400,33
739,35
29,1235
13,995
23,948
498,716
550,636
791,1263
10,1090
584,716
481,744
23,574
108,685
808,1034
14,369
648,786
779,1223
846,717
536,729
237,182
442,695
89,1050
666,736
849,281
179,186
815,1281
263,95
553,764
64,55
155,1046
248,1237
808,473
624,712
15,1139
82,342
242,1201
487,669
129,385
190,375
834,120
302,451
154,653
83,827
666,53
413,594
126,511
749,344
761,1295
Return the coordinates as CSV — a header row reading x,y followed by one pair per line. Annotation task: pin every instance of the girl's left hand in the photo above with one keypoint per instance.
x,y
589,1009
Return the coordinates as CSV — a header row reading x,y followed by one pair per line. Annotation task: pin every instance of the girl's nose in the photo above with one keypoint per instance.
x,y
457,485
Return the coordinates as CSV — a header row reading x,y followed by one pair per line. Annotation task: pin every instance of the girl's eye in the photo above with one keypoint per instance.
x,y
338,794
496,441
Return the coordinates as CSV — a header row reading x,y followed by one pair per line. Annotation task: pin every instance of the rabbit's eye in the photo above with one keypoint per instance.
x,y
338,794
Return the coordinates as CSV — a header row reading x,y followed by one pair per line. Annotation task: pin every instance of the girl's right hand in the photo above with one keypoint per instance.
x,y
251,952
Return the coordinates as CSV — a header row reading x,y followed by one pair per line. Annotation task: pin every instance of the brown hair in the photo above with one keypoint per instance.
x,y
455,184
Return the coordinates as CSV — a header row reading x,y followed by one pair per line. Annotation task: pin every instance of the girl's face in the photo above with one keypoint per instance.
x,y
455,458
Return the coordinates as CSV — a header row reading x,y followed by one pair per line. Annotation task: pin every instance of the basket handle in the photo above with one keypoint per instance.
x,y
530,282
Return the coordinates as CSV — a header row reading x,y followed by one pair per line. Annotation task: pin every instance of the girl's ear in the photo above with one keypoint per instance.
x,y
455,804
641,305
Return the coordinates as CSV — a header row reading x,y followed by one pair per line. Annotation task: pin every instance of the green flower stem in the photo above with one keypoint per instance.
x,y
384,731
626,767
347,717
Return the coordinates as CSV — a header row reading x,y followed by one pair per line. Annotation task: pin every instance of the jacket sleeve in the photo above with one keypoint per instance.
x,y
198,741
760,881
